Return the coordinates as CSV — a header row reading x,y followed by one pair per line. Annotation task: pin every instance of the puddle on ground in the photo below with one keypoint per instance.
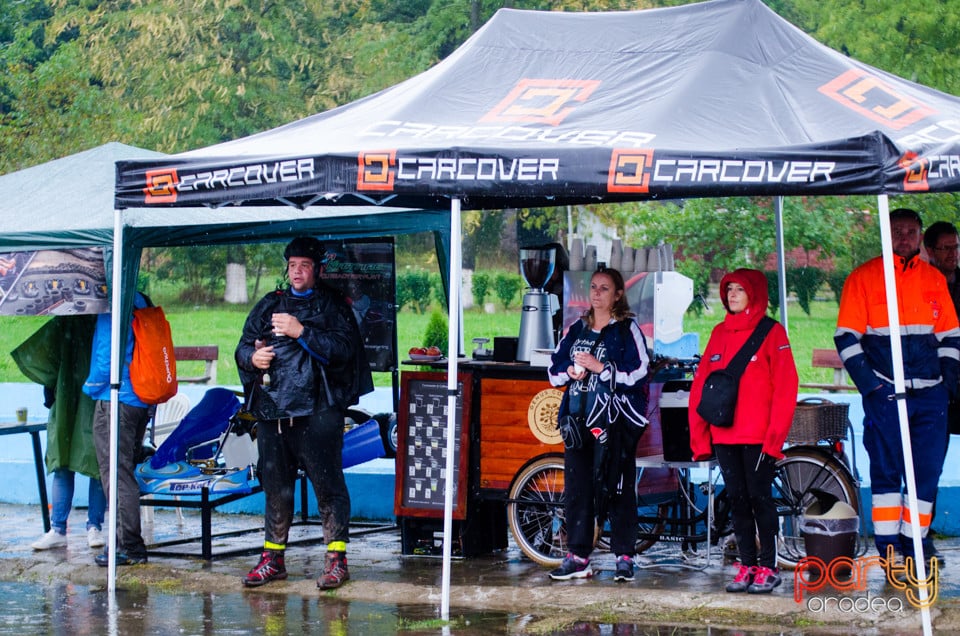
x,y
75,610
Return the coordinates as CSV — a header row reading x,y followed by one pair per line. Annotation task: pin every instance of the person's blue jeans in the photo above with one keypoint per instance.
x,y
62,501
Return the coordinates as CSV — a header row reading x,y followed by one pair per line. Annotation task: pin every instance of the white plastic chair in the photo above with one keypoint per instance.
x,y
166,419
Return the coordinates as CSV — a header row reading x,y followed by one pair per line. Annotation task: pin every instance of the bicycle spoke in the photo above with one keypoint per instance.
x,y
799,476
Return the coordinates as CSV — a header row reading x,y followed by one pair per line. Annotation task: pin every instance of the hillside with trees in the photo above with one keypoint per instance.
x,y
171,76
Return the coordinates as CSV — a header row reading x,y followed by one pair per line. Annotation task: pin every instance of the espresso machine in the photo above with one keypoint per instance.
x,y
536,318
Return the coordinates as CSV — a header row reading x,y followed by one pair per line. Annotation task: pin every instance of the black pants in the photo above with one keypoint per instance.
x,y
579,508
748,481
314,443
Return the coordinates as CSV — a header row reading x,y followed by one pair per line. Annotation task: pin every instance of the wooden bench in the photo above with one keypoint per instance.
x,y
208,354
830,359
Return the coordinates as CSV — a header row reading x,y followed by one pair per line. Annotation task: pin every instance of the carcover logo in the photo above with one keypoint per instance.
x,y
636,170
629,171
916,170
161,186
873,98
375,170
541,101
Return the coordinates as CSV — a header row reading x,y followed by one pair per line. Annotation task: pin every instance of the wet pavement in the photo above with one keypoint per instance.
x,y
503,592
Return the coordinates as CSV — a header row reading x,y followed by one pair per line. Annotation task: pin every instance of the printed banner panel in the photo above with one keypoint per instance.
x,y
53,283
364,271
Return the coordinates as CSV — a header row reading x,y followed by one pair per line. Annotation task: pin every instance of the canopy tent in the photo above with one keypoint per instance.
x,y
720,98
68,203
547,108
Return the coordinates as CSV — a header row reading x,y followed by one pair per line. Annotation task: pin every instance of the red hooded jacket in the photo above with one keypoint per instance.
x,y
768,387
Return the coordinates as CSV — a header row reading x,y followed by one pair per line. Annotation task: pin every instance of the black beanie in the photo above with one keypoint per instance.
x,y
305,247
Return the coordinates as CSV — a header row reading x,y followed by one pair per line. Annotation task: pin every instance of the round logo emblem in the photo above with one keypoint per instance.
x,y
542,416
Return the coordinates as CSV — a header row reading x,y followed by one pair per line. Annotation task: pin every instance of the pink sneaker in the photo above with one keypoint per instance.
x,y
764,580
742,580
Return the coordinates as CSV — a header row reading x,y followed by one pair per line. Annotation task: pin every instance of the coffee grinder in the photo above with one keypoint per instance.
x,y
536,318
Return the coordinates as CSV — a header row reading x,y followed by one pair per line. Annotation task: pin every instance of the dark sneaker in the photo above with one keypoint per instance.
x,y
122,559
573,567
742,580
624,568
764,580
931,552
895,569
907,575
335,572
270,568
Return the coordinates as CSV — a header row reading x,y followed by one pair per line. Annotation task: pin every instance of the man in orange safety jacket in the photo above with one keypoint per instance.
x,y
930,340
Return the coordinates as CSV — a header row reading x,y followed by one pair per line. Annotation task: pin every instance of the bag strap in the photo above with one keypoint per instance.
x,y
750,347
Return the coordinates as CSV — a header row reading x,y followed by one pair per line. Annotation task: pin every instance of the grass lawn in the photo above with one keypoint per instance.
x,y
220,325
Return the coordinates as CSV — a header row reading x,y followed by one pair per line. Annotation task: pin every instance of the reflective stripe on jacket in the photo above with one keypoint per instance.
x,y
930,336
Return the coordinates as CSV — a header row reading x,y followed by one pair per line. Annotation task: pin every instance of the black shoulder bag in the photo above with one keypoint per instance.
x,y
718,401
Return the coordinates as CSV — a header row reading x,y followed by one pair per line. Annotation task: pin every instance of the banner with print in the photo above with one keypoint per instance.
x,y
53,283
365,271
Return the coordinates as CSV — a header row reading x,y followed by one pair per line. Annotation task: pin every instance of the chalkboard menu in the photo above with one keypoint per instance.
x,y
422,444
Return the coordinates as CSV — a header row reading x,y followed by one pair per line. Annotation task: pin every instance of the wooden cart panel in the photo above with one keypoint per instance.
x,y
507,440
511,409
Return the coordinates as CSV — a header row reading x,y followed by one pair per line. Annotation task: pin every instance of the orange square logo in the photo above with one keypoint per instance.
x,y
541,101
629,171
375,170
161,186
915,169
873,98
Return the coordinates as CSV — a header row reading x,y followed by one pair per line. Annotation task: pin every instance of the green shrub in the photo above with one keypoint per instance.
x,y
773,291
506,287
804,282
435,335
413,288
436,290
480,287
836,279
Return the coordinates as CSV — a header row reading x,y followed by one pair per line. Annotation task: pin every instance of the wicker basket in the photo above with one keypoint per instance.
x,y
816,419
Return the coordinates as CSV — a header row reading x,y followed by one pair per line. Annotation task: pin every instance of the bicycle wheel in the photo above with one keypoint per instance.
x,y
535,511
803,470
656,489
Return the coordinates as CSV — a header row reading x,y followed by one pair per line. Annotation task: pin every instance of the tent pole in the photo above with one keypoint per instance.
x,y
453,337
899,385
116,293
781,262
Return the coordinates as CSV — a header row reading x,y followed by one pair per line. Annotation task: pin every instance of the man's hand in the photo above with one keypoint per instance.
x,y
262,357
286,325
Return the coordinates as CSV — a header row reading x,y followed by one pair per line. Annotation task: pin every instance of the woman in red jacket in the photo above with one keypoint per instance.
x,y
748,451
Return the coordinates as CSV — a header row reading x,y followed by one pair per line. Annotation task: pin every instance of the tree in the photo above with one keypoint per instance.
x,y
235,289
718,235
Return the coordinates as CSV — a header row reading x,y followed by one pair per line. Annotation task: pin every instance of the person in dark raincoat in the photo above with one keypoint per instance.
x,y
302,363
604,364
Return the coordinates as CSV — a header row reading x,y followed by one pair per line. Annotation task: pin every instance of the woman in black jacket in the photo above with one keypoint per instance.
x,y
603,362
